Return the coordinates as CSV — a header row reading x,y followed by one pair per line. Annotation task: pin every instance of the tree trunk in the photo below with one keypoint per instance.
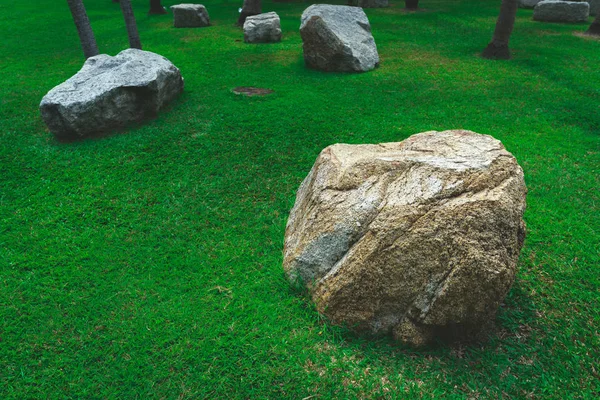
x,y
594,29
82,22
250,7
132,31
411,4
156,7
498,47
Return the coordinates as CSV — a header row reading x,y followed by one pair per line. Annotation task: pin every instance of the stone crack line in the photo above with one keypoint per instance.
x,y
360,235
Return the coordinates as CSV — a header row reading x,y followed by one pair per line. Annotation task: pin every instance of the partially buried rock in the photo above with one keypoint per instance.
x,y
561,11
111,92
416,239
369,3
190,16
262,28
338,38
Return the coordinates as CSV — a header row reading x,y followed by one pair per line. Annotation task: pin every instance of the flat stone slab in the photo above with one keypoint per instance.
x,y
561,11
190,16
109,93
411,238
369,3
262,28
338,38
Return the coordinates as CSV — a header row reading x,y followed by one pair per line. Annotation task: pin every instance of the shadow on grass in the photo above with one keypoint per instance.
x,y
468,366
513,324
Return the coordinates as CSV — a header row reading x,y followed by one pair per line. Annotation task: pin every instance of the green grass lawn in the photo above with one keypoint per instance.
x,y
147,264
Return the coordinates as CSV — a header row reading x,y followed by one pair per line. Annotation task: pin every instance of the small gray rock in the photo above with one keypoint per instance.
x,y
561,11
190,16
262,28
338,38
528,3
111,92
594,5
369,3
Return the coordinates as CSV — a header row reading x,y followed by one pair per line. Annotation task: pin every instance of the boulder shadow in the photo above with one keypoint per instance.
x,y
514,322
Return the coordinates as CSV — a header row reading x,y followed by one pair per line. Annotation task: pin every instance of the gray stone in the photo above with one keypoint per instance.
x,y
262,28
409,238
561,11
111,92
190,16
594,5
338,38
369,3
528,3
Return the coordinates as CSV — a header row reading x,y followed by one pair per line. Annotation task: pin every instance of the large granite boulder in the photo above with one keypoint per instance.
x,y
111,92
415,239
190,16
561,11
262,28
338,38
528,3
369,3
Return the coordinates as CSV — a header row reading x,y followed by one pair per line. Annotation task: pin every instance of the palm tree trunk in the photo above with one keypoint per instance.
x,y
132,31
411,4
82,22
498,47
250,7
594,29
156,7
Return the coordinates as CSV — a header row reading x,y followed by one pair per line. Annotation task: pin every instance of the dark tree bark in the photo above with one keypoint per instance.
x,y
411,4
82,22
132,31
498,47
594,29
250,7
156,7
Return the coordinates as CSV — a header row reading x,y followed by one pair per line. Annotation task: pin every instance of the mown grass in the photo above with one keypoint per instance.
x,y
147,264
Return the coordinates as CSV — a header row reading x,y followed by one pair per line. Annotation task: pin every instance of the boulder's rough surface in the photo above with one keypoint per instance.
x,y
528,3
262,28
190,16
369,3
111,92
412,238
561,11
338,38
